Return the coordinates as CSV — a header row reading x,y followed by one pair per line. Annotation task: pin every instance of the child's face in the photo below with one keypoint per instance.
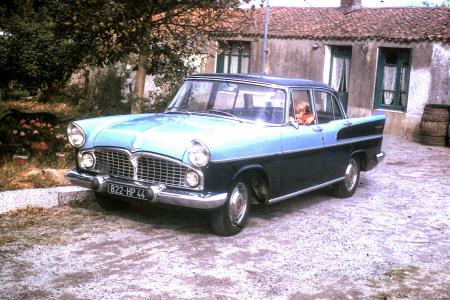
x,y
300,110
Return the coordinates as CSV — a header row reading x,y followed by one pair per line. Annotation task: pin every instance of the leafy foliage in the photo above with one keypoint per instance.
x,y
104,95
163,35
47,40
30,52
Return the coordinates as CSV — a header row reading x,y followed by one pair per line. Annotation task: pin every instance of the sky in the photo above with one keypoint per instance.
x,y
365,3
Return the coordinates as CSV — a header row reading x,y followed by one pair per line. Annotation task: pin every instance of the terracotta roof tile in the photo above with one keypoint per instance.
x,y
396,24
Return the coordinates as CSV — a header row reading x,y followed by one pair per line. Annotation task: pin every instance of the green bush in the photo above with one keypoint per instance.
x,y
104,93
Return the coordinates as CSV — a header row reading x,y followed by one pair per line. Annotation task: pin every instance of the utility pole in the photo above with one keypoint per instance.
x,y
266,30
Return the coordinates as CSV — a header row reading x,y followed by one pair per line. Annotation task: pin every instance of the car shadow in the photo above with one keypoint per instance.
x,y
156,217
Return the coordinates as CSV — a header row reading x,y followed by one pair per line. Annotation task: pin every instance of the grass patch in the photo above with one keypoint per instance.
x,y
399,275
38,172
28,227
57,108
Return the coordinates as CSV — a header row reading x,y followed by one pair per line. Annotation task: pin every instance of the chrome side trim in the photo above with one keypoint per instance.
x,y
355,140
307,190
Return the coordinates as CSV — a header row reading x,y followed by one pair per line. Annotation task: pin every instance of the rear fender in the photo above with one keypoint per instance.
x,y
362,157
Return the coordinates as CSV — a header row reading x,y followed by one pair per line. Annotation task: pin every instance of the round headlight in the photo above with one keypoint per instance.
x,y
198,154
87,160
76,135
192,179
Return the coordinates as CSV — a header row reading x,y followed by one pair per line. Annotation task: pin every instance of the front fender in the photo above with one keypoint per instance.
x,y
248,168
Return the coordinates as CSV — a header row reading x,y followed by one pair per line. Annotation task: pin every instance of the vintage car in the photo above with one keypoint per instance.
x,y
225,142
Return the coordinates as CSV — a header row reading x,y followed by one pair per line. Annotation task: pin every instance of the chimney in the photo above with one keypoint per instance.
x,y
350,5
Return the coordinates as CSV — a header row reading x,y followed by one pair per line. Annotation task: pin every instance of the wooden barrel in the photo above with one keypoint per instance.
x,y
448,140
435,124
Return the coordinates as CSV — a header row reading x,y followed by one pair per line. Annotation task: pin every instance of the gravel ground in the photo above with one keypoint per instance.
x,y
389,241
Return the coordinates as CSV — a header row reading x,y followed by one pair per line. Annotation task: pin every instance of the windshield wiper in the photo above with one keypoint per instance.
x,y
177,110
221,112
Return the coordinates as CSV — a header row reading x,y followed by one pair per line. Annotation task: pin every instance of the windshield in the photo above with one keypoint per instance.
x,y
237,100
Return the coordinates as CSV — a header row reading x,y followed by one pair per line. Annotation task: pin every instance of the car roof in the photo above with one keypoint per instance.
x,y
261,78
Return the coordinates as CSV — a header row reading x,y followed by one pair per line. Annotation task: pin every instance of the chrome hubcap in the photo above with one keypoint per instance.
x,y
351,174
238,204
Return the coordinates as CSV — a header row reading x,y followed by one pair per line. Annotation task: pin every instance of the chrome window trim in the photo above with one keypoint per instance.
x,y
134,156
239,80
270,85
332,92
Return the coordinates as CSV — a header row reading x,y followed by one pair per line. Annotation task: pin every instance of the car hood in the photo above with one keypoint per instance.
x,y
171,134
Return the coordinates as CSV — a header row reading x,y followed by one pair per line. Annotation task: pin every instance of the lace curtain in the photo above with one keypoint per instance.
x,y
340,74
231,59
389,84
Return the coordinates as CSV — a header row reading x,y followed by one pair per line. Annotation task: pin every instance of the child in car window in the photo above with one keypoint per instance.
x,y
303,113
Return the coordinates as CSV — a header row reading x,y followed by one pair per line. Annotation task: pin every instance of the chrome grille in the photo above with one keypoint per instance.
x,y
150,168
115,163
155,169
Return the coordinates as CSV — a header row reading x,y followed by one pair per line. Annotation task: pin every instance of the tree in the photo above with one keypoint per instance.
x,y
164,35
30,52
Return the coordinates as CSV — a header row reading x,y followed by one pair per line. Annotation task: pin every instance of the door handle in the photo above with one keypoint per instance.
x,y
317,128
347,123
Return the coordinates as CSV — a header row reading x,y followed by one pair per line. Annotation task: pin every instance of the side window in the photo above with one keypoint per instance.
x,y
327,107
301,109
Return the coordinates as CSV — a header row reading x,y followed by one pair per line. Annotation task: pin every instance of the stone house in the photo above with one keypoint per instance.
x,y
380,60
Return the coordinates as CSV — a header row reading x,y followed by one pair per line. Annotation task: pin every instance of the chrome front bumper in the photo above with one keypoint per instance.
x,y
155,193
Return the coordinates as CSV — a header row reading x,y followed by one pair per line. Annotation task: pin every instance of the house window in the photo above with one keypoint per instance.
x,y
340,71
233,57
393,78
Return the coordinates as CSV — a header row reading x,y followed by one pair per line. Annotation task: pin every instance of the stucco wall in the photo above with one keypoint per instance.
x,y
440,74
296,58
310,59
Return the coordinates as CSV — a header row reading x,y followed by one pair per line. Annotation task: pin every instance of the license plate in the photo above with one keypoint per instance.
x,y
126,191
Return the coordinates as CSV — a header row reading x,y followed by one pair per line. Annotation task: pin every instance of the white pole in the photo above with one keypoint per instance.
x,y
266,29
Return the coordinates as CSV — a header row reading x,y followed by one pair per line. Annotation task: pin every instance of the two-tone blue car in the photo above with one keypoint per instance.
x,y
224,142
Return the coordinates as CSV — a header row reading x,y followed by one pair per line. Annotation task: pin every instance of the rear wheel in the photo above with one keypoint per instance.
x,y
347,187
231,217
108,203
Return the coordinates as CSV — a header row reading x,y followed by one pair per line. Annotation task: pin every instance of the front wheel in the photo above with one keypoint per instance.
x,y
231,217
347,187
108,203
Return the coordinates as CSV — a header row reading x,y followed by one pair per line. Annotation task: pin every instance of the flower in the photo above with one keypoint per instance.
x,y
22,133
32,122
35,131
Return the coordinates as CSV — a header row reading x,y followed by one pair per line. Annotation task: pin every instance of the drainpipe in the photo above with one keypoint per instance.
x,y
266,29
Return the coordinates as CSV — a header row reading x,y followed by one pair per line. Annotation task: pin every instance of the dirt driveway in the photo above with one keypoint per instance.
x,y
391,240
